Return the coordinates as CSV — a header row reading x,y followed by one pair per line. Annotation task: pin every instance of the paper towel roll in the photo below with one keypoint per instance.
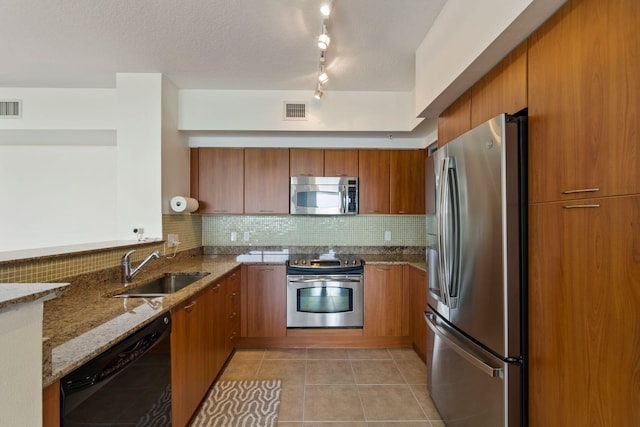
x,y
184,204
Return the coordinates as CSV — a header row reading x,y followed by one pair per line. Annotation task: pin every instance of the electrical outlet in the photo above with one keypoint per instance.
x,y
387,236
234,236
172,240
245,237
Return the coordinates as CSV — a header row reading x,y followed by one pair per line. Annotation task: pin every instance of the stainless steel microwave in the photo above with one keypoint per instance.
x,y
324,195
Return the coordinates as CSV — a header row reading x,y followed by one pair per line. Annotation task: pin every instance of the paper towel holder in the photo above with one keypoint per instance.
x,y
183,204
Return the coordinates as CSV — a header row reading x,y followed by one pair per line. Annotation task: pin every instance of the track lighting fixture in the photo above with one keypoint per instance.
x,y
325,9
318,94
323,77
324,39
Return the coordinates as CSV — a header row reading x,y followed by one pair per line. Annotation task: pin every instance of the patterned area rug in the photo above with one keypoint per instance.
x,y
240,404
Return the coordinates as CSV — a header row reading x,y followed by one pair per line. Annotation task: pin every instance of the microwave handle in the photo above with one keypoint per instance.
x,y
345,199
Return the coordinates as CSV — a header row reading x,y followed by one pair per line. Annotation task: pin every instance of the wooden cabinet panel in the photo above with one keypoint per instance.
x,y
584,322
220,180
266,179
215,323
266,301
417,282
374,181
232,311
340,162
584,101
51,405
189,349
382,300
407,182
455,120
306,162
501,90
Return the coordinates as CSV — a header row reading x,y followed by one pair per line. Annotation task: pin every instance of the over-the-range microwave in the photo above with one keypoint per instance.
x,y
324,195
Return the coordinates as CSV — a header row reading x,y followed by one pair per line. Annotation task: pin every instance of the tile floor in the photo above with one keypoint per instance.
x,y
342,387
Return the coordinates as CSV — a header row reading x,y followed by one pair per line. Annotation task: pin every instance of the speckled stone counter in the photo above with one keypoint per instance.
x,y
18,293
86,320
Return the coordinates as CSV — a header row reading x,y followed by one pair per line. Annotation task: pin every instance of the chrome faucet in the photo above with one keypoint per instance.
x,y
127,272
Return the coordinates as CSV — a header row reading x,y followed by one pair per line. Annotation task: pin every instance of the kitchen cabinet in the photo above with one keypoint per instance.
x,y
383,296
340,162
189,357
232,312
455,120
501,90
220,178
306,162
416,280
584,102
51,405
266,301
266,180
406,189
215,355
584,322
373,196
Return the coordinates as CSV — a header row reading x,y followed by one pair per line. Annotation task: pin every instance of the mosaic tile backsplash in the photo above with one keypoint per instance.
x,y
283,230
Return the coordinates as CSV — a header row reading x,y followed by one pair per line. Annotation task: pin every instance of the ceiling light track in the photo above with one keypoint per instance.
x,y
324,40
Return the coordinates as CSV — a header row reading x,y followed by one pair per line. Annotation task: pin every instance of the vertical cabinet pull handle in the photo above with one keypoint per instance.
x,y
581,190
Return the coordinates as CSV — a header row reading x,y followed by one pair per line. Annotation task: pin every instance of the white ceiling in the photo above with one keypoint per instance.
x,y
212,44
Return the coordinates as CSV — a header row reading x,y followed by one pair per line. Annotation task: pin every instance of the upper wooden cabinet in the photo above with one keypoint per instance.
x,y
584,102
266,180
407,177
341,163
373,197
220,180
503,89
455,120
306,162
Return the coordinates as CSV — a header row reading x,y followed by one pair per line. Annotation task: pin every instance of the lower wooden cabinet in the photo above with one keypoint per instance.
x,y
417,283
232,312
266,301
383,295
51,405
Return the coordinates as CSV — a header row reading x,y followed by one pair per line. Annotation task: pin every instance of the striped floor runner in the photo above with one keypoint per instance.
x,y
240,404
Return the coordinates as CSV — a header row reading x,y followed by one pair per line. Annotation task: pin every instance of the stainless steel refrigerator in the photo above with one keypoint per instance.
x,y
476,314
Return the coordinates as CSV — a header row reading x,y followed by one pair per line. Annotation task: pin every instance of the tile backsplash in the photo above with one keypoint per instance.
x,y
303,230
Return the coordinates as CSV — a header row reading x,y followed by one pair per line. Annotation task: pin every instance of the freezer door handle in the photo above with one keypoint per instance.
x,y
432,322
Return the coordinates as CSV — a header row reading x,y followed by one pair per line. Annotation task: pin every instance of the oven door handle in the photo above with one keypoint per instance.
x,y
325,279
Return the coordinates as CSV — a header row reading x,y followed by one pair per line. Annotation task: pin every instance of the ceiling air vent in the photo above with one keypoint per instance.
x,y
295,111
10,109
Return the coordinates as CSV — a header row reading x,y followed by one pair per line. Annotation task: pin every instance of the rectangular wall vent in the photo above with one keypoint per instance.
x,y
10,109
295,111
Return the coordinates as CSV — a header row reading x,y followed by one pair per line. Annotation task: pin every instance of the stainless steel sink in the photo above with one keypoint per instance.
x,y
165,285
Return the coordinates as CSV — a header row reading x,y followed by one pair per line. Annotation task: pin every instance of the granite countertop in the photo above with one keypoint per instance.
x,y
18,293
85,321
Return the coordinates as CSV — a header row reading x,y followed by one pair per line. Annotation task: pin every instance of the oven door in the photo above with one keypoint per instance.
x,y
332,301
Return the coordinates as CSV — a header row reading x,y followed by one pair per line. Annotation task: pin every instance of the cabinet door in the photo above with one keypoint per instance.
x,y
51,405
584,321
340,162
418,305
266,301
382,300
455,120
232,312
266,179
306,162
220,180
373,166
189,356
584,102
217,334
407,182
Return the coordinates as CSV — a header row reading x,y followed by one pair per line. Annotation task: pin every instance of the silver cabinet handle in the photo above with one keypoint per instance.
x,y
469,357
581,190
581,206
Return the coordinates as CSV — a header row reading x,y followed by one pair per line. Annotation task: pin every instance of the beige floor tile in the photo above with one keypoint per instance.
x,y
291,402
413,371
332,403
390,402
248,354
376,372
291,372
403,354
286,353
336,424
424,399
289,424
327,353
369,353
399,424
238,370
329,372
437,424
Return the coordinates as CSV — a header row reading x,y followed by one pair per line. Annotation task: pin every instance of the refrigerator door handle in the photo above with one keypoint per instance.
x,y
443,269
487,369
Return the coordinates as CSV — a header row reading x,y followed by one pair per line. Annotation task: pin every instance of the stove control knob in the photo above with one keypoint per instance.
x,y
304,261
295,261
353,262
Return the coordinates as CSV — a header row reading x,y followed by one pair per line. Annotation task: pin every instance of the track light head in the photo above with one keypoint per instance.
x,y
325,9
324,39
318,94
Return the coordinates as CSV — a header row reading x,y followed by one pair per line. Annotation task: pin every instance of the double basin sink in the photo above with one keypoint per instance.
x,y
162,286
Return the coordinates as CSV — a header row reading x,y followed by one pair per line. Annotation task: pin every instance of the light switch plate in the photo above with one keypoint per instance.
x,y
387,236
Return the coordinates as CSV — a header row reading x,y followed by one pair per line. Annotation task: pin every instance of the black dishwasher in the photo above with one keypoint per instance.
x,y
126,385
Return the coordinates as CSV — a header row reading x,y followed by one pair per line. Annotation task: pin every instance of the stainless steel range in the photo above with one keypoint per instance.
x,y
325,291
